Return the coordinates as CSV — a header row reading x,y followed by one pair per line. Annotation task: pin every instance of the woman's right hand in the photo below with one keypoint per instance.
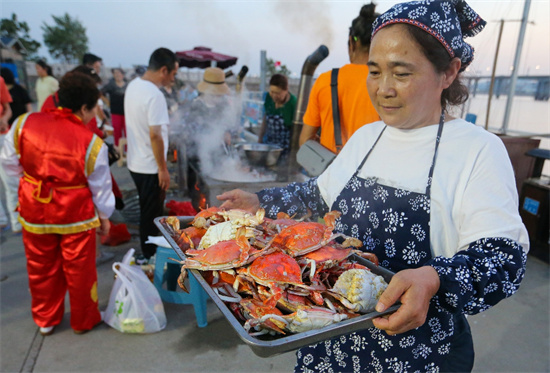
x,y
239,199
105,227
413,288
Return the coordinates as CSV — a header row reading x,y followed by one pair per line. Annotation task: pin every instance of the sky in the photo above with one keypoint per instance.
x,y
124,33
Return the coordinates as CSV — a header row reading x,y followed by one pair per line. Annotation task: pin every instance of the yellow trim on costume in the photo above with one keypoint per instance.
x,y
93,292
92,153
78,227
36,193
17,132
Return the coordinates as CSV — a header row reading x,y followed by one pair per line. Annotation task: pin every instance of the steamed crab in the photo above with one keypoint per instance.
x,y
252,309
275,270
225,255
279,276
234,220
207,217
305,237
300,321
274,226
359,289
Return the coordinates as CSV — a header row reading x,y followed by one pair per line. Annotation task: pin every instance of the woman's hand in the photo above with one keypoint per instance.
x,y
414,288
105,227
239,199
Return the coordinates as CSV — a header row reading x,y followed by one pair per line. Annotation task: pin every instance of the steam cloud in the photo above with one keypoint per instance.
x,y
205,133
310,19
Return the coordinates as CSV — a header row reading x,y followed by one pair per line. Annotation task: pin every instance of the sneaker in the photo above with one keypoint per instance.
x,y
46,330
141,260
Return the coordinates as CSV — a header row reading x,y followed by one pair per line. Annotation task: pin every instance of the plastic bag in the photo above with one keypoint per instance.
x,y
134,305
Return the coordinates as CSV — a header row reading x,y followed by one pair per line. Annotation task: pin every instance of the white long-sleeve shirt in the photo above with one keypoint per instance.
x,y
473,193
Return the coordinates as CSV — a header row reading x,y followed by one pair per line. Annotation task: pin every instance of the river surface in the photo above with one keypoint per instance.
x,y
526,116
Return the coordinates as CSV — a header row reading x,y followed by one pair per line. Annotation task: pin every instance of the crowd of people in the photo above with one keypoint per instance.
x,y
445,220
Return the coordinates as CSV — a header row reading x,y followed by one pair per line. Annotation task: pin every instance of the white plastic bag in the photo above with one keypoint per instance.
x,y
134,305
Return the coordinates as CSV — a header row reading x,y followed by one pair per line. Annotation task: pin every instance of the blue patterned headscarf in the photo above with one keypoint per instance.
x,y
447,21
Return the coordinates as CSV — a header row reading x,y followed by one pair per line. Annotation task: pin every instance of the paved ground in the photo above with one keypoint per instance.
x,y
512,337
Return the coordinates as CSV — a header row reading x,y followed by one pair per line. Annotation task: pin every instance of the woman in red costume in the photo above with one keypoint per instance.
x,y
64,197
52,102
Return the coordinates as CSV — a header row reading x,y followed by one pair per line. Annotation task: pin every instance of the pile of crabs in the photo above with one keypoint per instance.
x,y
281,275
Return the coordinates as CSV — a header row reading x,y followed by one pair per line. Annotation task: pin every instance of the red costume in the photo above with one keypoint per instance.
x,y
50,104
57,212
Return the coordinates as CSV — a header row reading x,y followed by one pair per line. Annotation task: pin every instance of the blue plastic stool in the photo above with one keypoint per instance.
x,y
197,296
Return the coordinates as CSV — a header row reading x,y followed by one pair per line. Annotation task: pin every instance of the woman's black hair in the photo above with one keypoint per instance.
x,y
77,89
279,80
457,93
361,26
7,74
45,66
88,71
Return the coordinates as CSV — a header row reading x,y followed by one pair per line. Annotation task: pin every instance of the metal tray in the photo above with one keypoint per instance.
x,y
267,345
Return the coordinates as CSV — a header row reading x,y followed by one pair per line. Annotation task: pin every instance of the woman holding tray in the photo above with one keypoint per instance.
x,y
432,196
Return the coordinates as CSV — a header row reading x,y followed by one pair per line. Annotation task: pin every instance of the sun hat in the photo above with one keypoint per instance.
x,y
447,21
213,82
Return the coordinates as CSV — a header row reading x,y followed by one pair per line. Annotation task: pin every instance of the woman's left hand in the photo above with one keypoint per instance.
x,y
414,288
239,199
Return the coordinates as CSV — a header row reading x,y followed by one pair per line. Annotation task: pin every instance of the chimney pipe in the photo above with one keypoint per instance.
x,y
242,73
306,80
240,78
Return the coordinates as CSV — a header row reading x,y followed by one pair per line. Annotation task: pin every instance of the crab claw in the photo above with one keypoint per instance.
x,y
181,280
369,256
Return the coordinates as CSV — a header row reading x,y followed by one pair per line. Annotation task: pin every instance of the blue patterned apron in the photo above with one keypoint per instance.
x,y
277,133
395,225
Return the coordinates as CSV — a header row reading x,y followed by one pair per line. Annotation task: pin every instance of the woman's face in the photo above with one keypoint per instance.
x,y
86,114
118,75
40,71
278,94
403,85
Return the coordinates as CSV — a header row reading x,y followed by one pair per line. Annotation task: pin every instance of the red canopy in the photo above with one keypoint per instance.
x,y
202,57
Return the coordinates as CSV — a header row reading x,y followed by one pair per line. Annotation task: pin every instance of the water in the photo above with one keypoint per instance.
x,y
527,116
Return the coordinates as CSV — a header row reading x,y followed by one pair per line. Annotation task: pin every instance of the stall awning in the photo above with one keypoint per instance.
x,y
202,57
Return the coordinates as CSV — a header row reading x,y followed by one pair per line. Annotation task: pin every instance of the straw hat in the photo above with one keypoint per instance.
x,y
213,82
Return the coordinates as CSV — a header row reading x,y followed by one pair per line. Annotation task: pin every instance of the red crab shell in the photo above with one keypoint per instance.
x,y
329,255
189,238
277,267
223,255
253,309
305,237
204,217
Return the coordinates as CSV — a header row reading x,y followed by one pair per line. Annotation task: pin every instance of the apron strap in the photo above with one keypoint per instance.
x,y
437,141
372,147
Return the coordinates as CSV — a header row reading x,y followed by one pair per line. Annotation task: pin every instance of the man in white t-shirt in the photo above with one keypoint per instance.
x,y
147,122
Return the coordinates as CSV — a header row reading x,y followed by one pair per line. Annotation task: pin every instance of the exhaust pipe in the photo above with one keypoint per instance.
x,y
311,63
240,78
242,73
